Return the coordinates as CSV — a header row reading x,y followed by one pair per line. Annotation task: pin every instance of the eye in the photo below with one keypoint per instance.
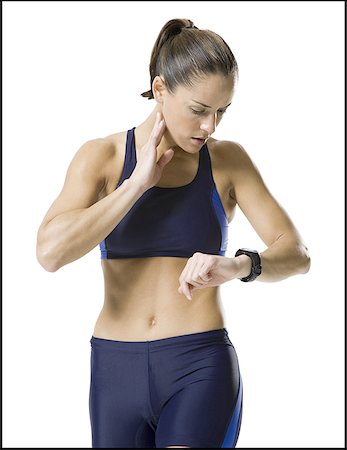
x,y
203,112
197,112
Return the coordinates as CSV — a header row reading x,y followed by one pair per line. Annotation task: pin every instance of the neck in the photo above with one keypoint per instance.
x,y
144,130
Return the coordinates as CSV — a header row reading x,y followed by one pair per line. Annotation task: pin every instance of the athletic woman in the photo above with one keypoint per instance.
x,y
158,199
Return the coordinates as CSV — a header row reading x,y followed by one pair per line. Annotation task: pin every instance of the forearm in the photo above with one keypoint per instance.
x,y
71,235
284,258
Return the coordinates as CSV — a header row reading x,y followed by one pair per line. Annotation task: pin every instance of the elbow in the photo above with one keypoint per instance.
x,y
46,260
306,265
306,260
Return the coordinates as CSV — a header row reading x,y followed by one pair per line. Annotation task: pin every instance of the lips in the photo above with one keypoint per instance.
x,y
199,142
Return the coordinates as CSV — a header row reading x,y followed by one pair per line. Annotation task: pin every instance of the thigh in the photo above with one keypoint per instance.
x,y
118,398
205,409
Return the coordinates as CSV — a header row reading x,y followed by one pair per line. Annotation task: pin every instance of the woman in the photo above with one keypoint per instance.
x,y
158,199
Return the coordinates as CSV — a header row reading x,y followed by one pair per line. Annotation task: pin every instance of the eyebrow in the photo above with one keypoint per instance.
x,y
206,106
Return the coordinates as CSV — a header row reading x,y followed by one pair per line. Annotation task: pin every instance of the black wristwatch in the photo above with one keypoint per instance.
x,y
256,263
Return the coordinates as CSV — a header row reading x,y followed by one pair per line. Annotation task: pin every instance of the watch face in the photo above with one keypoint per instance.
x,y
249,250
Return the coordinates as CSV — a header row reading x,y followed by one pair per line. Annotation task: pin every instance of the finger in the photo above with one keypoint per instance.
x,y
186,276
156,126
184,271
191,268
165,158
184,288
156,122
180,289
159,121
198,280
199,276
191,280
195,277
158,132
161,130
187,291
204,272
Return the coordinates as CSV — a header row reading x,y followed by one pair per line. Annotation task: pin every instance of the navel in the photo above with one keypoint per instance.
x,y
152,321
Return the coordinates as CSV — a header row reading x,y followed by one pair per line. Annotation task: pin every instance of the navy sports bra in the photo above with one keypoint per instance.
x,y
170,221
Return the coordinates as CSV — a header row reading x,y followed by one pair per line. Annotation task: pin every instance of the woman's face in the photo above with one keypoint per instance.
x,y
195,112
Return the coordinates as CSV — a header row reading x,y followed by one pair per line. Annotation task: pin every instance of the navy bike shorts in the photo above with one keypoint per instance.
x,y
182,390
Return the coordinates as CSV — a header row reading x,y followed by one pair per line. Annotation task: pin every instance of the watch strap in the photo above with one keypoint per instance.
x,y
256,263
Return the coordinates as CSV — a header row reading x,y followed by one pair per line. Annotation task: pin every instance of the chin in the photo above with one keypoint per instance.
x,y
188,146
190,149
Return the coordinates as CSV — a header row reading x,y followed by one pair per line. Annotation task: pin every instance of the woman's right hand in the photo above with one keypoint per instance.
x,y
148,171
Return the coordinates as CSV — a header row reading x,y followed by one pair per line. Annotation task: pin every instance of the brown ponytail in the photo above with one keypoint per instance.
x,y
182,53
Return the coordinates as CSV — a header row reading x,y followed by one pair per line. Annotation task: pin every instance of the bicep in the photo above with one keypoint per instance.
x,y
268,218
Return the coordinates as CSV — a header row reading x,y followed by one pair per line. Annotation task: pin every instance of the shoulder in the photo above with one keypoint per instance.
x,y
96,151
233,160
230,151
115,143
92,159
106,149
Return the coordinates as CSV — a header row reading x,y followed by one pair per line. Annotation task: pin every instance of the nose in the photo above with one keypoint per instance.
x,y
209,124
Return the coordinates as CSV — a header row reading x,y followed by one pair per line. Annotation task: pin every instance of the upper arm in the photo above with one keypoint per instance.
x,y
263,211
84,179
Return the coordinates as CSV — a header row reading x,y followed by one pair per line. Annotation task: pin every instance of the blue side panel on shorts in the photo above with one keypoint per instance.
x,y
234,427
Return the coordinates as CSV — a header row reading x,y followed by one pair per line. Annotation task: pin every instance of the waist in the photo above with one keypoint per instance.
x,y
142,320
215,335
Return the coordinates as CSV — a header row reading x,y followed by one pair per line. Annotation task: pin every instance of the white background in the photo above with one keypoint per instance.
x,y
74,71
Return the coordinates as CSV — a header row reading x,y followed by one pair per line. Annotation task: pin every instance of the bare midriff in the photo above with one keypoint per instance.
x,y
142,301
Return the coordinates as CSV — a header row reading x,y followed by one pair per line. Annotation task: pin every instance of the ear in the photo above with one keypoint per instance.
x,y
159,88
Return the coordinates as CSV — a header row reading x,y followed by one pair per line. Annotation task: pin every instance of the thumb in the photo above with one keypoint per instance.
x,y
165,158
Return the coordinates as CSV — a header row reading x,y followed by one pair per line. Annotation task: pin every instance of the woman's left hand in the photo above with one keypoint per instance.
x,y
204,270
